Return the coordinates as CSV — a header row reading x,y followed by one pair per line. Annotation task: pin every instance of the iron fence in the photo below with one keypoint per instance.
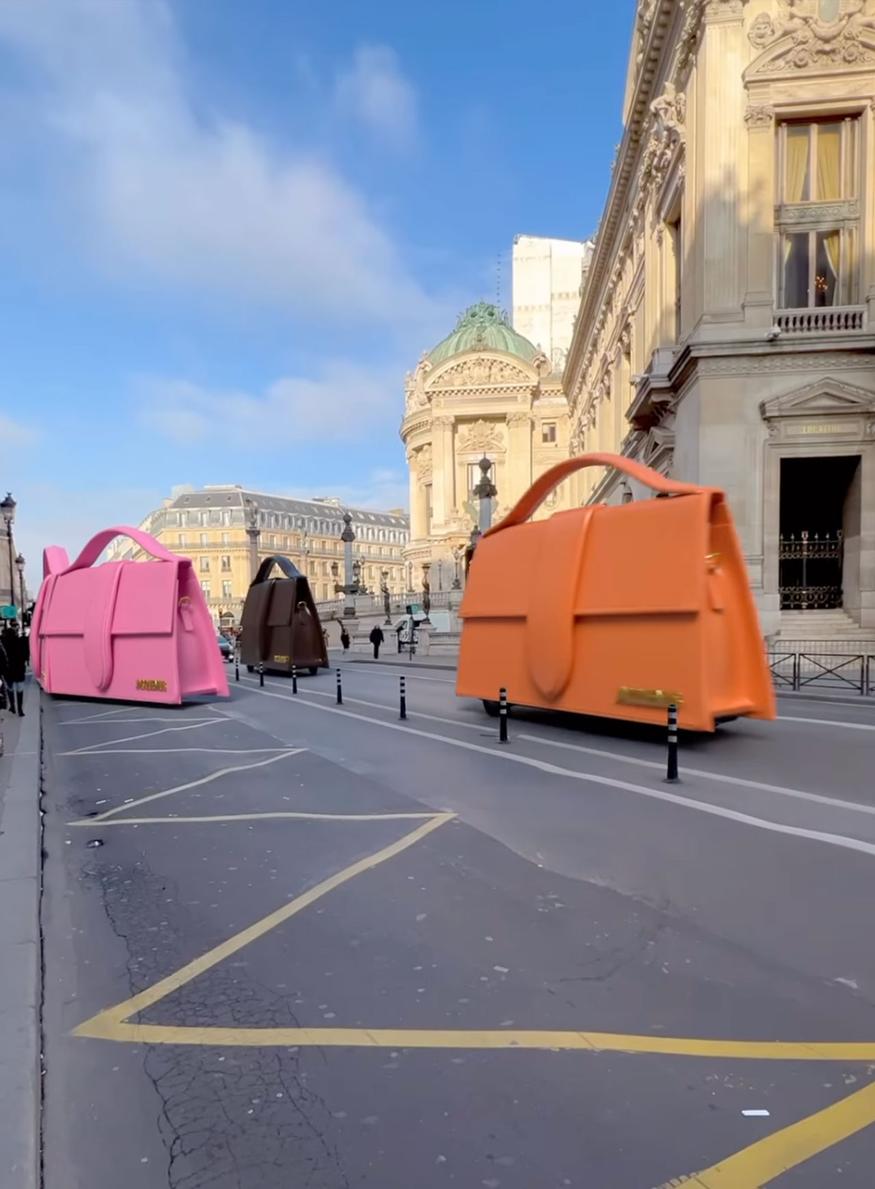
x,y
846,667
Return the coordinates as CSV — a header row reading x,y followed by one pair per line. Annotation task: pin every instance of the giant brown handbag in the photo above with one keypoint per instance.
x,y
616,611
280,624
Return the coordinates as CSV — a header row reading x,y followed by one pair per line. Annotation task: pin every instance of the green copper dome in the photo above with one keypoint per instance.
x,y
483,327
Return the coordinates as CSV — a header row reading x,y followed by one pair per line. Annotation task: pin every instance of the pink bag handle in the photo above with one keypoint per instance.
x,y
541,488
99,542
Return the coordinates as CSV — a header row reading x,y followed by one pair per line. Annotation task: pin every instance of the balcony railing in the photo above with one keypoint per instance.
x,y
824,319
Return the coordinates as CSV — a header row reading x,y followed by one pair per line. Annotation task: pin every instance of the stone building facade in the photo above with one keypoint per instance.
x,y
548,279
484,390
210,527
726,333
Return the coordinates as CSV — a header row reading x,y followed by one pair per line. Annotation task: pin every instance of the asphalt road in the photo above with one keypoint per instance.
x,y
292,945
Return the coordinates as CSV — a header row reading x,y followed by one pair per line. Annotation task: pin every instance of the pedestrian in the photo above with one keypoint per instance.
x,y
344,637
376,638
4,677
16,649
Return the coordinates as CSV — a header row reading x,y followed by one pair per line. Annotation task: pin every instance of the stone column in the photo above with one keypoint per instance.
x,y
720,172
518,460
443,470
758,205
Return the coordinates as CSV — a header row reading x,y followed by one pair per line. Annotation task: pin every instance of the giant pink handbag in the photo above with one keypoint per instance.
x,y
138,631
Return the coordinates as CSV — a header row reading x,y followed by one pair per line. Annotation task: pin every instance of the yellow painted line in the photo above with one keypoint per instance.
x,y
250,817
105,1027
783,1150
110,1024
192,784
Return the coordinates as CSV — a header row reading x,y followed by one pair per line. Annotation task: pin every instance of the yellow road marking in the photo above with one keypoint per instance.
x,y
110,1026
249,817
192,784
783,1150
107,1023
748,1169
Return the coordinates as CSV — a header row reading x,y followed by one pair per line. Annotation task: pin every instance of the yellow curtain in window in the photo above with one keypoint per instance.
x,y
796,164
829,162
832,244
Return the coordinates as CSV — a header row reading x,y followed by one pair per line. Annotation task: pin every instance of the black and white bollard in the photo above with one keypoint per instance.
x,y
339,690
261,673
294,679
403,713
237,664
671,775
502,715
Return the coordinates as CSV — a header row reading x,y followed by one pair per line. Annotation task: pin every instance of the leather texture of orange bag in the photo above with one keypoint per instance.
x,y
616,611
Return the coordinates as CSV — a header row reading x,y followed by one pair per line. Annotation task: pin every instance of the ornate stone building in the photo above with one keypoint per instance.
x,y
210,527
483,390
726,333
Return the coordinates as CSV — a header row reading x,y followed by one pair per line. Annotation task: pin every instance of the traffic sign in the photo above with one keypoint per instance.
x,y
8,611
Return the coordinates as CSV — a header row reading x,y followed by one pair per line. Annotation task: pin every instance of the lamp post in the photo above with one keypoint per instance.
x,y
387,602
19,565
7,508
349,586
305,550
485,491
426,591
458,554
253,532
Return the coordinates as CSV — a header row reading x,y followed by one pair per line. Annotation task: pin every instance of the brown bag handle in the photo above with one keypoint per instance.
x,y
541,488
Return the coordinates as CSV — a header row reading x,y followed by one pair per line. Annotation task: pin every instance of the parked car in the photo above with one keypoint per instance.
x,y
225,647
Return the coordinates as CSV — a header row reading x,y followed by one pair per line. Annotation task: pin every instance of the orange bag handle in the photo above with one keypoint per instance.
x,y
541,488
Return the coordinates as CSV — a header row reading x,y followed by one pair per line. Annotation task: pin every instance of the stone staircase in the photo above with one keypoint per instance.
x,y
833,627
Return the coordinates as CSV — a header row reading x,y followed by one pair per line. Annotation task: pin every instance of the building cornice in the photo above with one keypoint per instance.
x,y
623,176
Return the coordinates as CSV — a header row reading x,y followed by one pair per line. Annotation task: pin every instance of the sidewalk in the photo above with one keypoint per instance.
x,y
20,987
445,661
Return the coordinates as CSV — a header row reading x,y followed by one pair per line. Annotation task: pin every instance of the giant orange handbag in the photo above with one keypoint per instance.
x,y
616,611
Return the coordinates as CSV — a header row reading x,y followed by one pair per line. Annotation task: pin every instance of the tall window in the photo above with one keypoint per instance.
x,y
428,507
205,565
226,561
205,539
182,538
226,589
817,215
548,433
205,587
675,239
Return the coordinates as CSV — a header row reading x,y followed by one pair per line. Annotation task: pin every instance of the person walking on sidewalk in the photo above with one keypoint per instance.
x,y
16,649
344,637
376,638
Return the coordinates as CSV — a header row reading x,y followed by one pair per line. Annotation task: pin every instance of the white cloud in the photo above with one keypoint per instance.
x,y
198,198
343,402
60,514
382,489
14,435
374,91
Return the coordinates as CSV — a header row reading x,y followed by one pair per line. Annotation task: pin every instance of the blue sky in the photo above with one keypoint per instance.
x,y
213,212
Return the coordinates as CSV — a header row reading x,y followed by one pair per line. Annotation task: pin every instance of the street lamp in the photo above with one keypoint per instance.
x,y
387,604
485,491
7,508
253,532
19,565
349,586
458,554
426,591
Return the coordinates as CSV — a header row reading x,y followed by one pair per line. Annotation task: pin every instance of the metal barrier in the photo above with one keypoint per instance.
x,y
826,668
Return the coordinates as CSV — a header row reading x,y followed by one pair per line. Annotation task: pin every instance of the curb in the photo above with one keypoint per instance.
x,y
21,947
861,700
404,664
